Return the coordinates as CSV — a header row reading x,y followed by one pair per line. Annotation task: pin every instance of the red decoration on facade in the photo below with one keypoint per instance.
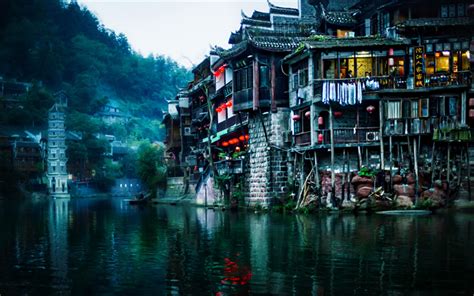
x,y
320,138
242,138
247,137
225,144
320,120
296,117
370,109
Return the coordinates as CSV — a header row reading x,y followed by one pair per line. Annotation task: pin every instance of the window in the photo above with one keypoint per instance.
x,y
444,11
230,111
303,77
386,21
243,78
424,108
461,9
367,27
264,76
414,109
294,81
452,10
392,110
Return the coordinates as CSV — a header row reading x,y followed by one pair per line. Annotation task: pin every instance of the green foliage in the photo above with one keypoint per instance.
x,y
151,167
68,48
366,172
221,180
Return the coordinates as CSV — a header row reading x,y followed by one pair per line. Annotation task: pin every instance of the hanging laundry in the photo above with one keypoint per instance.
x,y
344,93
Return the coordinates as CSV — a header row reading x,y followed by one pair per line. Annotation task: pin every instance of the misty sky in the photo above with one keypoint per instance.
x,y
183,30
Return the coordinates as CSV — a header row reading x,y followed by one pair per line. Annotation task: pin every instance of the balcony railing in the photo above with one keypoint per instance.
x,y
406,126
229,167
377,83
349,135
302,139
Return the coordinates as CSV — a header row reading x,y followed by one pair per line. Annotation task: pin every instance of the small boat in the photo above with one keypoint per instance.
x,y
406,212
137,201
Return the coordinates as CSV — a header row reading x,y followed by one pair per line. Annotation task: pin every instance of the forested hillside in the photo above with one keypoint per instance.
x,y
66,47
52,47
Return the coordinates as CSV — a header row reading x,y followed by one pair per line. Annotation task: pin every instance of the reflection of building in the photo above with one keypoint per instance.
x,y
57,170
58,239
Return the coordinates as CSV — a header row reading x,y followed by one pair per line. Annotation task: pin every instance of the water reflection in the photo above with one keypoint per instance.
x,y
106,246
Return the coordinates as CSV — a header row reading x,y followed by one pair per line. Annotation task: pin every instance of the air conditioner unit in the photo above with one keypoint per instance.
x,y
372,136
187,131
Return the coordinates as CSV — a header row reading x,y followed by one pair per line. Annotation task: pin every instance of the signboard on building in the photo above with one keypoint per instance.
x,y
418,63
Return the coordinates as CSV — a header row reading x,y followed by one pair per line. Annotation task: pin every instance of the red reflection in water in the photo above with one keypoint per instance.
x,y
235,274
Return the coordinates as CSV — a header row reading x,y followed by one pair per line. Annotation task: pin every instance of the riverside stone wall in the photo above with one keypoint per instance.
x,y
268,171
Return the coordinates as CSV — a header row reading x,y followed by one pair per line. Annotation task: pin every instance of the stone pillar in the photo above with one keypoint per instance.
x,y
268,171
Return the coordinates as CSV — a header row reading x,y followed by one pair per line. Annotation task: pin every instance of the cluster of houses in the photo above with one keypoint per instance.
x,y
38,155
304,98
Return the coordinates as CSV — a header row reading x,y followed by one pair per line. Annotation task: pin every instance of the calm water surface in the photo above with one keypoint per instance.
x,y
104,246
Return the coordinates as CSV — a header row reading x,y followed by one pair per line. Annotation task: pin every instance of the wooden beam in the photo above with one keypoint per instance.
x,y
333,174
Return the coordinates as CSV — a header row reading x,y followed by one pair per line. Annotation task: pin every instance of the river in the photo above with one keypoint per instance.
x,y
105,246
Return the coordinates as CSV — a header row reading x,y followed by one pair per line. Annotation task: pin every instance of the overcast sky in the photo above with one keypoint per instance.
x,y
182,30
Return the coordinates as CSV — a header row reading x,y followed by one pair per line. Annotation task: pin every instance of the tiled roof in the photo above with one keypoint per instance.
x,y
342,18
258,21
331,42
437,22
274,41
263,16
282,10
235,50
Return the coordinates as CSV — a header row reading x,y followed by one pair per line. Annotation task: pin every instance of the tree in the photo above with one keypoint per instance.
x,y
150,166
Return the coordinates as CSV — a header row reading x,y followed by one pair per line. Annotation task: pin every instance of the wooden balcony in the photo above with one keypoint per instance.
x,y
234,120
302,139
398,83
230,167
408,126
350,135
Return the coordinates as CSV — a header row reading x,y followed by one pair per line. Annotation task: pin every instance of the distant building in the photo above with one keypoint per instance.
x,y
111,113
57,172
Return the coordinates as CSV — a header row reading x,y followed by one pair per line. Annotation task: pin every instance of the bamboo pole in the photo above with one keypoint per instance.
x,y
432,164
410,151
448,167
415,159
343,178
316,173
359,154
382,152
391,161
333,175
468,161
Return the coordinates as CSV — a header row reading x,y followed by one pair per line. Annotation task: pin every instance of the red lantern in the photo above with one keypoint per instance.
x,y
225,144
229,104
307,114
242,138
296,117
370,109
337,113
237,148
390,51
320,138
320,120
247,137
